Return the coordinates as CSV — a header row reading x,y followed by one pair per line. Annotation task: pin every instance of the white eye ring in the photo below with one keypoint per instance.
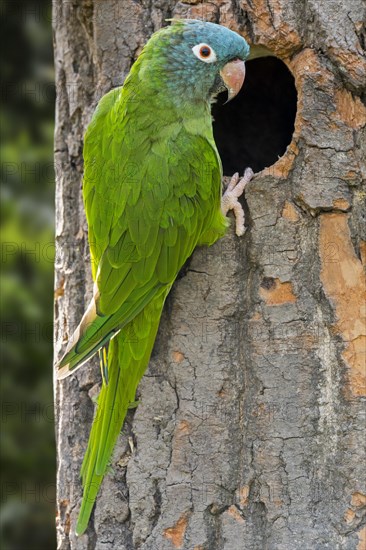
x,y
201,51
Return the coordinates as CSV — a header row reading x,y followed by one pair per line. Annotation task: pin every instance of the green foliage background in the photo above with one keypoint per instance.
x,y
27,214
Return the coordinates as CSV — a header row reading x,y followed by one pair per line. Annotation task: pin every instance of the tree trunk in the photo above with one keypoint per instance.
x,y
249,431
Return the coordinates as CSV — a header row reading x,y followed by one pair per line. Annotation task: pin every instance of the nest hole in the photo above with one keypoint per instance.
x,y
256,127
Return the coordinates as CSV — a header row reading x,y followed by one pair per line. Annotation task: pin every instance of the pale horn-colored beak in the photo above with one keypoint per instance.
x,y
233,75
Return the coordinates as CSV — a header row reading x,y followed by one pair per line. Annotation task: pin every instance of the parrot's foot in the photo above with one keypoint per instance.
x,y
230,201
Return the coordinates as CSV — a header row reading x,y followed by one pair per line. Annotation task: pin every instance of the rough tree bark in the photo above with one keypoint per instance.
x,y
249,431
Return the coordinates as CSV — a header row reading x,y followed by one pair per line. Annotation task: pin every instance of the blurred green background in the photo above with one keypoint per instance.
x,y
28,466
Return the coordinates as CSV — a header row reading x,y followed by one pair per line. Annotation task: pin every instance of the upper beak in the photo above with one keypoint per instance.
x,y
233,75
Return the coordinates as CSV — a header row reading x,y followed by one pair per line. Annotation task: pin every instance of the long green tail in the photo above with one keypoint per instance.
x,y
128,355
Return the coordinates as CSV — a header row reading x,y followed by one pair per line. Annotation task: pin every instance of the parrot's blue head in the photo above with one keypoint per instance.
x,y
195,60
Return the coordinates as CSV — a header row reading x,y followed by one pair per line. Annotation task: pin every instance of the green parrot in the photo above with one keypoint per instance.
x,y
152,193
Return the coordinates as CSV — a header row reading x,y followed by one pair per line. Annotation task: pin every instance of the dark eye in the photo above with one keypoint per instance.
x,y
204,52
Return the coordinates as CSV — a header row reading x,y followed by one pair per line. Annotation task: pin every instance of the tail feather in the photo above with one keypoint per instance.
x,y
128,355
95,330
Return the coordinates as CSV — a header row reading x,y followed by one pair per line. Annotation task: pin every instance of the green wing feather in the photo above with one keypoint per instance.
x,y
152,193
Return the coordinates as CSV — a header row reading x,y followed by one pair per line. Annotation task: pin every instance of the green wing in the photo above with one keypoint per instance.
x,y
146,212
